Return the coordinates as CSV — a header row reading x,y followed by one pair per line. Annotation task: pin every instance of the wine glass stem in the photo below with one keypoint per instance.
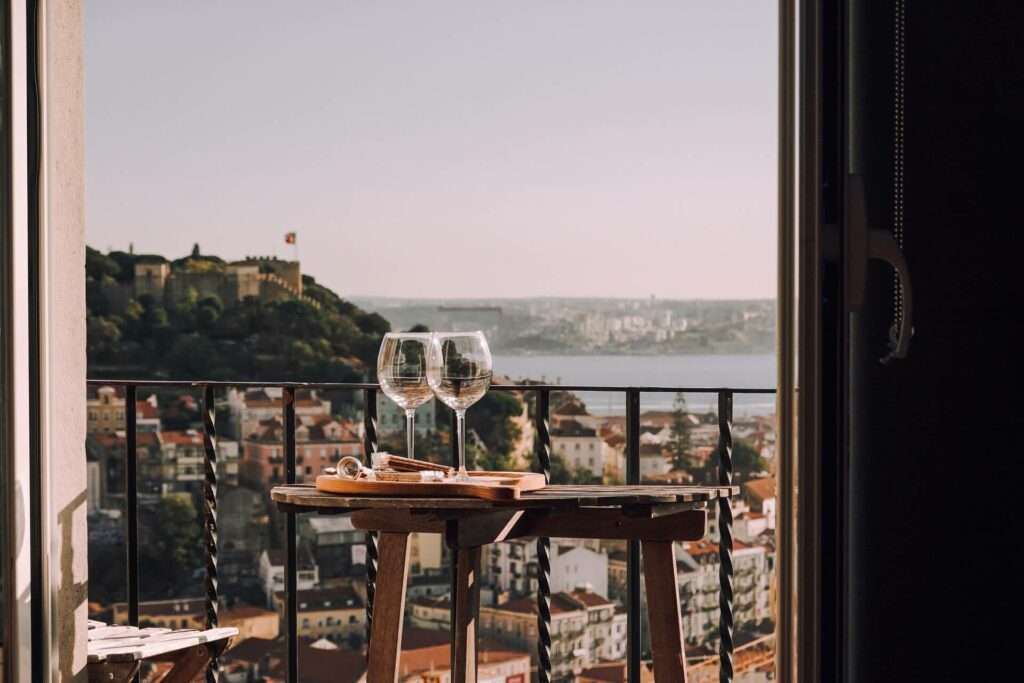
x,y
460,425
410,431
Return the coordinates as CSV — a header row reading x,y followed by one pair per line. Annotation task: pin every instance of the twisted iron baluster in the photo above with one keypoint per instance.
x,y
542,447
725,570
210,518
634,635
291,551
369,448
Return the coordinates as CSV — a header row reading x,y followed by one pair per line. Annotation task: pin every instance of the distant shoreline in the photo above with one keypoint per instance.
x,y
643,354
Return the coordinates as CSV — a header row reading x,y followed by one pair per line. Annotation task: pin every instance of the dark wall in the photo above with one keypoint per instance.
x,y
935,440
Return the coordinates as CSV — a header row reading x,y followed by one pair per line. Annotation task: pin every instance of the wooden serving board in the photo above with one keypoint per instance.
x,y
486,485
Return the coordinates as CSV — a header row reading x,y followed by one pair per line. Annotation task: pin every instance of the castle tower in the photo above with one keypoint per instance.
x,y
151,278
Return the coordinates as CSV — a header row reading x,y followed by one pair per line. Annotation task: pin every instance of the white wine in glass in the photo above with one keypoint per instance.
x,y
402,374
459,371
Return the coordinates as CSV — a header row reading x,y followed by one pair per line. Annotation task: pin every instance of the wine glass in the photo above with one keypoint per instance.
x,y
402,374
459,372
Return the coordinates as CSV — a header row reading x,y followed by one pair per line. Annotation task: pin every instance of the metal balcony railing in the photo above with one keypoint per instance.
x,y
542,446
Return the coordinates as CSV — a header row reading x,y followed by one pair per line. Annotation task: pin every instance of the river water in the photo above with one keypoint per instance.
x,y
736,371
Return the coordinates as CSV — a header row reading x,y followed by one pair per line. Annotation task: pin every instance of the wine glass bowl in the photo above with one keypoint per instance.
x,y
459,373
402,375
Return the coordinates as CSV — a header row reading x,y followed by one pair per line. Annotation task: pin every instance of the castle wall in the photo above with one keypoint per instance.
x,y
205,284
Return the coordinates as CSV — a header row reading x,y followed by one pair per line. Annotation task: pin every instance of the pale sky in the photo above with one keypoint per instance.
x,y
443,149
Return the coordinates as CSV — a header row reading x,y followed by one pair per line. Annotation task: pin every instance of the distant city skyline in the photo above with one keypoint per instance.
x,y
445,150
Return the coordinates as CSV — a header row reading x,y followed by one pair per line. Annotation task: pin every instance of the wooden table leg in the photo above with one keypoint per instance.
x,y
188,664
388,607
663,611
467,610
112,672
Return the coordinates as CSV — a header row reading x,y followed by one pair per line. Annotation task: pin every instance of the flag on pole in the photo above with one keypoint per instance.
x,y
289,238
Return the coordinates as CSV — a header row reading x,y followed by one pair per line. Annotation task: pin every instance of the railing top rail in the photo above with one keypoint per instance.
x,y
198,384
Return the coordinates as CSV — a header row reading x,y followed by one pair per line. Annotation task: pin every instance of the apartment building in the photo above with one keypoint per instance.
x,y
586,628
337,614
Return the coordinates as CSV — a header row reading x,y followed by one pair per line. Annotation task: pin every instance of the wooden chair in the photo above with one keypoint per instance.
x,y
117,652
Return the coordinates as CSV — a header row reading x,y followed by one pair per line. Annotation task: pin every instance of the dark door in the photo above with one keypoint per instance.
x,y
933,439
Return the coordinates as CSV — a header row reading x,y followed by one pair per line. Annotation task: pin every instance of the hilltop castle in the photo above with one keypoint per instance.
x,y
266,278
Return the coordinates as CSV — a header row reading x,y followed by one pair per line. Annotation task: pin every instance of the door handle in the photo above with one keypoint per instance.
x,y
863,244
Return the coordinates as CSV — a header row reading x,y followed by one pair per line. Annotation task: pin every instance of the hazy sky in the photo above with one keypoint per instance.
x,y
442,148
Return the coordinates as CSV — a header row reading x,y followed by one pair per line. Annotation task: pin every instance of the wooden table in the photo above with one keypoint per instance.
x,y
657,516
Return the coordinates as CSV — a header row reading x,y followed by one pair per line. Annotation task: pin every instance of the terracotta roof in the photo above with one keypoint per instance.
x,y
438,657
325,666
434,601
572,408
147,440
589,599
146,410
321,599
156,608
254,649
524,605
302,554
424,659
615,440
241,611
673,477
94,392
705,547
651,449
273,430
443,577
612,672
418,638
760,489
573,428
308,403
560,603
108,439
189,438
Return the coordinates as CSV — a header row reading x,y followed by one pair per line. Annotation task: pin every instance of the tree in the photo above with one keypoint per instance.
x,y
679,439
492,418
98,267
170,547
419,328
319,337
582,475
195,250
559,470
746,461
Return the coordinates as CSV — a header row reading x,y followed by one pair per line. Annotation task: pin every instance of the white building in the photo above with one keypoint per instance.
x,y
249,408
510,567
433,613
574,567
391,418
699,587
183,460
586,628
653,461
573,410
581,446
759,494
336,544
271,572
426,553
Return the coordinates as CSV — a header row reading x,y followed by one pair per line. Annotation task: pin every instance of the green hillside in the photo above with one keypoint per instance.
x,y
206,338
